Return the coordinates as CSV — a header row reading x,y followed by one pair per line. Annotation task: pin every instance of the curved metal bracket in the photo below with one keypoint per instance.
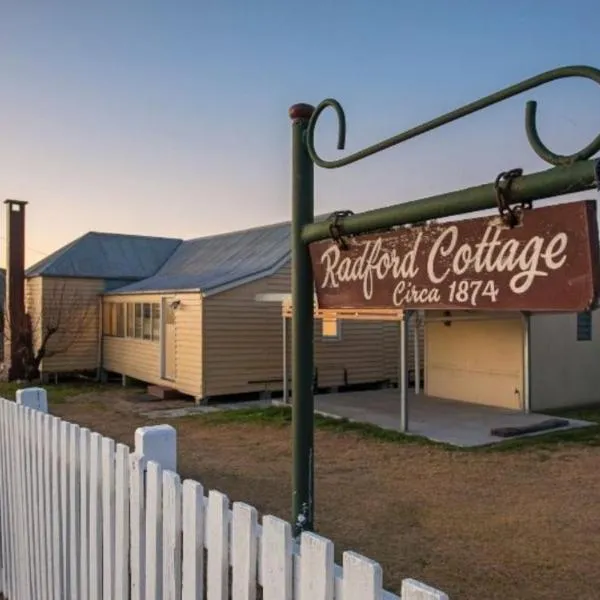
x,y
530,122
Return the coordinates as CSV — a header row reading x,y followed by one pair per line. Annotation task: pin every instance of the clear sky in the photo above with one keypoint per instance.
x,y
170,118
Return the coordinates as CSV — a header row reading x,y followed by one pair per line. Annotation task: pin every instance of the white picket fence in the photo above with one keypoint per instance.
x,y
82,518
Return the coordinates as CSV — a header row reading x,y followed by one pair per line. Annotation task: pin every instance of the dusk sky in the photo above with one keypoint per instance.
x,y
170,118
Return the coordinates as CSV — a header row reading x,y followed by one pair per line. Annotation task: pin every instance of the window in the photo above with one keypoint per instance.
x,y
584,326
331,329
147,324
113,319
130,319
138,321
156,322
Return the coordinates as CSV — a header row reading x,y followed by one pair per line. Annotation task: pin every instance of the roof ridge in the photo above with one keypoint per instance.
x,y
238,231
133,235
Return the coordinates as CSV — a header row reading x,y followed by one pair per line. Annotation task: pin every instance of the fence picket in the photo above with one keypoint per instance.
x,y
137,525
4,509
14,505
193,541
316,567
276,560
415,590
64,507
244,553
362,580
21,509
217,546
171,539
55,510
153,531
74,510
84,508
47,508
40,494
29,498
122,522
37,491
108,518
95,554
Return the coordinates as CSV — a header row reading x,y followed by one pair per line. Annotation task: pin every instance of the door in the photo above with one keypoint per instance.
x,y
476,361
168,339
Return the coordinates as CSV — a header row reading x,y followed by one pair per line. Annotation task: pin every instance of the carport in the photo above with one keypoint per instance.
x,y
447,421
405,319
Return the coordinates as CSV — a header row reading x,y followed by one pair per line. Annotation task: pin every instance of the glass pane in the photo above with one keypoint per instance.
x,y
130,319
147,321
156,321
138,321
330,328
120,320
113,318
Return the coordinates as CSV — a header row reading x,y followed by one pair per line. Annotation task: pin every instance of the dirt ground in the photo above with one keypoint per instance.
x,y
520,524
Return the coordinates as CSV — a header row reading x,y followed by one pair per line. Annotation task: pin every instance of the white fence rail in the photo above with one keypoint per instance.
x,y
82,518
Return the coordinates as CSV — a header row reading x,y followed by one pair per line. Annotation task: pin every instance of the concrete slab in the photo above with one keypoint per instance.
x,y
457,423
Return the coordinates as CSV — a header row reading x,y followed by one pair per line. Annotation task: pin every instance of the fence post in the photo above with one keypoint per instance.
x,y
33,397
159,444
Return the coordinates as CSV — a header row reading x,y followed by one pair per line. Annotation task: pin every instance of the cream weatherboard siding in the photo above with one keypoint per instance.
x,y
33,306
141,359
71,304
564,372
243,343
478,361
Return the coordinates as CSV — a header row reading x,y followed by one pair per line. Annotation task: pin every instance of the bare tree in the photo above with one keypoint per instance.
x,y
54,321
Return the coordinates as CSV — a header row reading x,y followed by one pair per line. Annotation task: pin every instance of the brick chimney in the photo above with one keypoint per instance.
x,y
14,305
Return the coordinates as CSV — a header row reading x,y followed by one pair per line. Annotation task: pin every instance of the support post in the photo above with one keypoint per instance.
x,y
526,317
417,357
402,378
302,325
284,359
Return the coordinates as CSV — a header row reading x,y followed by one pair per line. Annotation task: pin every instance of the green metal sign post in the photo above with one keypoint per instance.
x,y
569,174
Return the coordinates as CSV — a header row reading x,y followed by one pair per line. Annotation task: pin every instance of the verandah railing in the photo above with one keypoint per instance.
x,y
83,518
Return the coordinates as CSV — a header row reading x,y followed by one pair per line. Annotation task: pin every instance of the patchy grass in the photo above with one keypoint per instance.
x,y
57,393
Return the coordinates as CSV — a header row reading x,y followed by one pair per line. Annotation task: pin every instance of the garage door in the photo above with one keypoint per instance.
x,y
476,361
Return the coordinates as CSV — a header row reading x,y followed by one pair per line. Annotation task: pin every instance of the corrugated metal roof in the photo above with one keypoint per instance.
x,y
213,263
107,256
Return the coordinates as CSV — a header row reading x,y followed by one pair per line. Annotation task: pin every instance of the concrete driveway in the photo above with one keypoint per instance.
x,y
448,421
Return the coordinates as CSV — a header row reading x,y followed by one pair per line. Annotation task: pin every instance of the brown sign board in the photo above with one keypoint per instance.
x,y
548,262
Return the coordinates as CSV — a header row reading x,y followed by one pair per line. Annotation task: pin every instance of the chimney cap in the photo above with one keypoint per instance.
x,y
19,202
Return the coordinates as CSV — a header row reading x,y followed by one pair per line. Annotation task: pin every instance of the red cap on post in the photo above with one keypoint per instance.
x,y
301,111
